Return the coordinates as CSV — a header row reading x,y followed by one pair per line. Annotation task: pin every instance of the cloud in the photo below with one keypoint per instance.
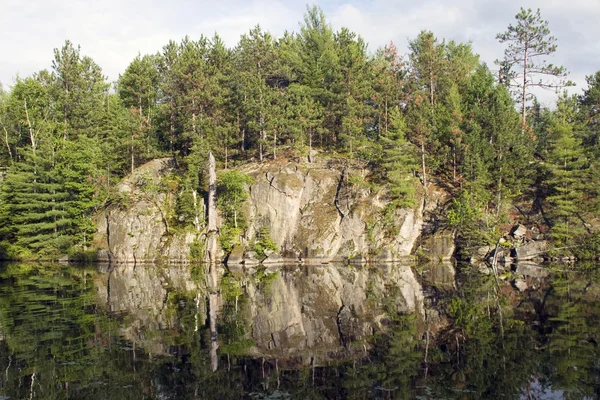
x,y
113,32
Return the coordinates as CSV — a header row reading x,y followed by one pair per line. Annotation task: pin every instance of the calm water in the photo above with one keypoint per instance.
x,y
334,332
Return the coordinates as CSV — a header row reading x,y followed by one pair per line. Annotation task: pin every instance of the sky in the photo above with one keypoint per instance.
x,y
113,32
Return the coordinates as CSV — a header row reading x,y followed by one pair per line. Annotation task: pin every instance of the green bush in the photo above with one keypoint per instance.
x,y
263,243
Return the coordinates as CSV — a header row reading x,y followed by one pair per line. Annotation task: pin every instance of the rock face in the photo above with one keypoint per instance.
x,y
136,228
439,246
313,211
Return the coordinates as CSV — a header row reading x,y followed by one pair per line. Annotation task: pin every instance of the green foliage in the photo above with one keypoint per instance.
x,y
438,115
263,243
232,192
197,250
229,237
464,215
399,160
567,174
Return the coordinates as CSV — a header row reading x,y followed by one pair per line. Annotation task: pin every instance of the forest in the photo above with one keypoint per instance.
x,y
436,116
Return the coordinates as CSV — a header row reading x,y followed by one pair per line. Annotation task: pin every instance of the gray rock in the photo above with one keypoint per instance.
x,y
273,258
317,213
236,257
309,209
483,251
519,231
440,245
103,255
530,250
520,285
484,269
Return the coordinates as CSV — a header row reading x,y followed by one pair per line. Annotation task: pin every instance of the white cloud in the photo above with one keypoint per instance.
x,y
113,32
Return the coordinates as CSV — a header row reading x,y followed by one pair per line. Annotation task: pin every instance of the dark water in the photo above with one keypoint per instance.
x,y
331,332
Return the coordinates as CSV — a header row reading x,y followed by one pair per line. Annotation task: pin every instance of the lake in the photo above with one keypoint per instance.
x,y
386,331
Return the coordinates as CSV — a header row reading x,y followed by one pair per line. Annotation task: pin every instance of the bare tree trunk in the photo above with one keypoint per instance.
x,y
212,210
275,144
423,163
524,94
212,259
171,124
31,131
7,144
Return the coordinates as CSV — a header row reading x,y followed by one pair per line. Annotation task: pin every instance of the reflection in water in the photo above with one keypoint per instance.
x,y
326,331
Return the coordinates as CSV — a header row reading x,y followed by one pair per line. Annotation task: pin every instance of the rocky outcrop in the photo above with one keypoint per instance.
x,y
320,211
314,211
135,226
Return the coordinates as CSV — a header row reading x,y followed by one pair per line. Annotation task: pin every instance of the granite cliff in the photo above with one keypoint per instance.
x,y
321,211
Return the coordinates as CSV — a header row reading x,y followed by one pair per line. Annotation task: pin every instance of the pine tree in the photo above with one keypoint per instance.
x,y
399,161
567,167
524,65
78,90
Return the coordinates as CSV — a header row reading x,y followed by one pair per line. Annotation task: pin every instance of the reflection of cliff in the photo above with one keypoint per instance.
x,y
147,297
325,309
292,312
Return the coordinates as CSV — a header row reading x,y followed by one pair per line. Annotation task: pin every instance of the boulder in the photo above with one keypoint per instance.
x,y
484,269
530,250
483,251
520,285
273,258
236,257
250,258
440,245
519,231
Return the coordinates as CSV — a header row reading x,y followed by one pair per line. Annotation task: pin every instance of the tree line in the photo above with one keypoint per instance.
x,y
437,114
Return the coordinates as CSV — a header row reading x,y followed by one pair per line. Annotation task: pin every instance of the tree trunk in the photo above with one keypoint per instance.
x,y
31,131
212,211
7,144
212,259
524,94
423,163
171,123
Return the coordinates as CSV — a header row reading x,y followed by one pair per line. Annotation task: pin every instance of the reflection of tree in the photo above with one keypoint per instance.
x,y
54,334
572,344
55,344
397,355
476,360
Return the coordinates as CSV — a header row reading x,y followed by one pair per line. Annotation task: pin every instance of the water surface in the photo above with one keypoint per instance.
x,y
332,332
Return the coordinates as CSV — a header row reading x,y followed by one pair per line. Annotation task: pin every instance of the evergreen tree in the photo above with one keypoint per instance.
x,y
524,65
256,63
398,160
567,168
78,90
